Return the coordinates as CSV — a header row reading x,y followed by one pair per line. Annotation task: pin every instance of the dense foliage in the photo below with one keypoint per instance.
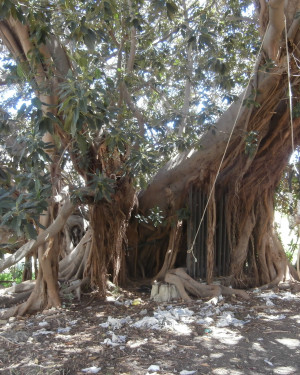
x,y
146,79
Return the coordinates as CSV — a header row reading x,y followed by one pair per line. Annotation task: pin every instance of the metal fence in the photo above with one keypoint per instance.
x,y
196,261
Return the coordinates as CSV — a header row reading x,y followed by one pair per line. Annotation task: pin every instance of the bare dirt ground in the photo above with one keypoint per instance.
x,y
129,334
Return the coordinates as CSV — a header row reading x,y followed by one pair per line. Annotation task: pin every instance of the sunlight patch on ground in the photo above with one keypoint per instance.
x,y
290,343
216,355
284,370
226,336
257,346
296,317
225,371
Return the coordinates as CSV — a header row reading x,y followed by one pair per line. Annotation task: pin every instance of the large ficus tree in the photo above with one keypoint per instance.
x,y
118,88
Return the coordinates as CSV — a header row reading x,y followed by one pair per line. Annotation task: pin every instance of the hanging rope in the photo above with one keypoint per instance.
x,y
289,86
291,123
191,250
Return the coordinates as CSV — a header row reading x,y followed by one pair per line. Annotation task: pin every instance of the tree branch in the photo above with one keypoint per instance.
x,y
50,232
136,112
188,82
130,62
274,31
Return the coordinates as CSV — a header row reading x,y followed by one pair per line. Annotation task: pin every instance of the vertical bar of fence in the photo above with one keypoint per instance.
x,y
219,234
197,202
190,235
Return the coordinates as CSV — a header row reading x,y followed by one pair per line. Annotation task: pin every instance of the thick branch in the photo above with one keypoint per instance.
x,y
188,82
276,25
130,62
179,170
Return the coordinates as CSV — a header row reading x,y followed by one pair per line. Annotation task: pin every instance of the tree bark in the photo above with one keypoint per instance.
x,y
109,222
32,245
248,179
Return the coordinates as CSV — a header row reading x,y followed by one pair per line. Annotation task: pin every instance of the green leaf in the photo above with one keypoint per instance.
x,y
172,9
89,39
36,103
20,71
54,119
7,204
45,126
206,39
5,8
82,143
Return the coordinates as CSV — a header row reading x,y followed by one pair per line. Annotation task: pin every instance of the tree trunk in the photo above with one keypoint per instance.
x,y
45,72
243,169
109,222
27,272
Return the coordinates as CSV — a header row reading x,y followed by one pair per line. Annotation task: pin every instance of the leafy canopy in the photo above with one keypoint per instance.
x,y
136,72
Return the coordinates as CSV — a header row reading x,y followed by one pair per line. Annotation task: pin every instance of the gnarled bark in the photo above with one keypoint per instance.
x,y
248,174
109,222
184,283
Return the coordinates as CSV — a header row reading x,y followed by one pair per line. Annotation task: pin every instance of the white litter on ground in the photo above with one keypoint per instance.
x,y
178,319
43,331
115,323
115,340
64,330
282,295
91,370
173,319
206,321
147,322
228,319
268,362
272,317
153,368
43,324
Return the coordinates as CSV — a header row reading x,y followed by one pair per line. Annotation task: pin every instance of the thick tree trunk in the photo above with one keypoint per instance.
x,y
45,72
109,222
247,174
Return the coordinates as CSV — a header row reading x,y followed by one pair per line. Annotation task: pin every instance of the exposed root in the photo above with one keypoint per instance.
x,y
294,286
8,301
20,288
185,284
172,251
75,286
32,296
73,265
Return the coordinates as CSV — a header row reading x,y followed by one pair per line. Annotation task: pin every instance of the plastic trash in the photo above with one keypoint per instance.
x,y
64,330
43,324
268,362
42,331
91,370
153,368
136,302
